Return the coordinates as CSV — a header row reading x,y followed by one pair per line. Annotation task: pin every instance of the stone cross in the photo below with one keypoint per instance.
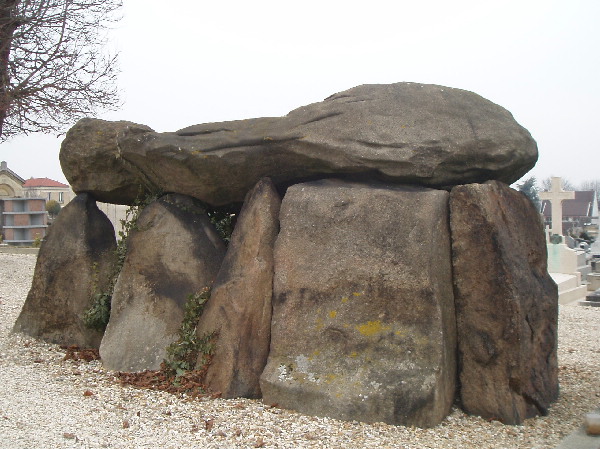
x,y
556,195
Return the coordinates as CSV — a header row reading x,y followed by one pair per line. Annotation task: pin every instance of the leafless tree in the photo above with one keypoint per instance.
x,y
546,184
592,185
54,67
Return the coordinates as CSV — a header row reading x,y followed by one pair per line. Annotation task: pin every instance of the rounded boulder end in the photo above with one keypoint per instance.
x,y
91,160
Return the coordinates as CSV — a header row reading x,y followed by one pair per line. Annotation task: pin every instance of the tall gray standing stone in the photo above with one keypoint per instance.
x,y
174,251
363,316
75,262
506,304
239,309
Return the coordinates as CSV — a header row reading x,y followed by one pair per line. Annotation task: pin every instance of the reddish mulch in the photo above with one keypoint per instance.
x,y
190,383
74,352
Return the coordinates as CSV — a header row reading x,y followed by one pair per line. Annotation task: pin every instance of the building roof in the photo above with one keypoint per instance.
x,y
581,206
43,182
4,168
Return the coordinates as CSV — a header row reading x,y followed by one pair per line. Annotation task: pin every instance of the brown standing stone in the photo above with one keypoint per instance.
x,y
174,251
506,304
363,314
239,309
74,263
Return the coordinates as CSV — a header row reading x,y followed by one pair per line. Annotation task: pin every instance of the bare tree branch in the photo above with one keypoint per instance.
x,y
546,184
54,67
592,185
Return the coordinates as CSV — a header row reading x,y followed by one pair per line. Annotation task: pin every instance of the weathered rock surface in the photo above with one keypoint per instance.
x,y
92,157
173,252
506,304
405,133
363,313
239,309
74,263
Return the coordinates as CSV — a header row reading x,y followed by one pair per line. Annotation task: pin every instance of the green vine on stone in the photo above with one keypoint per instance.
x,y
223,221
97,316
183,354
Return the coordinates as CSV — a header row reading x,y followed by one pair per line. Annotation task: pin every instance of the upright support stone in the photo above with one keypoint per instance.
x,y
75,262
363,314
173,252
506,304
556,195
239,310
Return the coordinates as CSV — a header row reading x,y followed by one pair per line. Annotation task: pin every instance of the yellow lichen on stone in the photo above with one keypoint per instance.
x,y
332,314
372,328
344,299
319,324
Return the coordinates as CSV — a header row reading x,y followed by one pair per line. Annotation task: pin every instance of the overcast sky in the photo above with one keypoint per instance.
x,y
185,62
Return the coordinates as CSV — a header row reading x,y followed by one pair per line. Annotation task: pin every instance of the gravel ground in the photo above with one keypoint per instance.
x,y
46,402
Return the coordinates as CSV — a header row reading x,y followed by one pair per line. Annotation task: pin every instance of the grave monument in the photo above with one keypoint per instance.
x,y
563,262
556,195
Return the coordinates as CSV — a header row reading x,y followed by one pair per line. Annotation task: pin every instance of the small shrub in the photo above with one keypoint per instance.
x,y
223,221
556,239
37,241
53,208
96,317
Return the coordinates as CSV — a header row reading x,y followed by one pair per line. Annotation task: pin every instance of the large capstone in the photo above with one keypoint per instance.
x,y
173,252
506,304
239,310
405,133
363,316
74,265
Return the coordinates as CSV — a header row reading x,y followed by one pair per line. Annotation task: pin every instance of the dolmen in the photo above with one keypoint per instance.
x,y
380,270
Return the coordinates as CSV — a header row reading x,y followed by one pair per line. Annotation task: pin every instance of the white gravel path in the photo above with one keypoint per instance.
x,y
44,404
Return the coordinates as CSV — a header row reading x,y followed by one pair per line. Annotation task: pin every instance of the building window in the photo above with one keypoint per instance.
x,y
60,197
49,196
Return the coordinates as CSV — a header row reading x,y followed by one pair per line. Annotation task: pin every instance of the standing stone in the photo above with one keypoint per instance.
x,y
74,263
239,309
363,315
506,304
174,251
